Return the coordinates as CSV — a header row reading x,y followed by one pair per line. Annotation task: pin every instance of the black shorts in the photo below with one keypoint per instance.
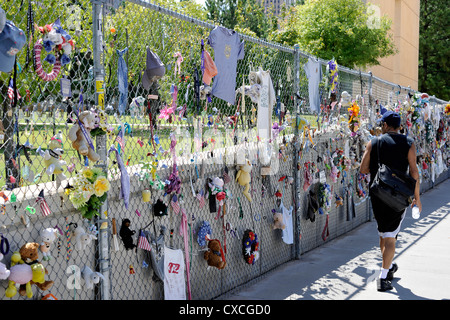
x,y
387,219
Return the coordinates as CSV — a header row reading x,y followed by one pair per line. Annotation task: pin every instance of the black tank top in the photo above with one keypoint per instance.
x,y
394,150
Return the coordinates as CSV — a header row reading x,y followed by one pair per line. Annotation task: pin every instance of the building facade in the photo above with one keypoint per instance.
x,y
403,67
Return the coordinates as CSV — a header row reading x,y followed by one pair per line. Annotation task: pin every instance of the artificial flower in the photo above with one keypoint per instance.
x,y
87,173
48,45
50,58
101,185
64,59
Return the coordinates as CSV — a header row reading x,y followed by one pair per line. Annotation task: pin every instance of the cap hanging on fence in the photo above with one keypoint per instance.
x,y
154,70
12,40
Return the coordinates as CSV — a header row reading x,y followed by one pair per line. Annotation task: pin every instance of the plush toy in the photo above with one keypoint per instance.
x,y
48,236
244,179
127,234
4,272
278,221
81,139
90,277
215,256
52,159
137,107
82,238
25,271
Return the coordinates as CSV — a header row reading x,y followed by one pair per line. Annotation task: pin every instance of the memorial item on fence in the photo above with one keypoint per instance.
x,y
89,192
250,246
58,44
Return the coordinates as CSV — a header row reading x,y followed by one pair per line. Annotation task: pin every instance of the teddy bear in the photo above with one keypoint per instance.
x,y
26,270
48,236
137,107
52,159
80,137
278,221
82,238
244,179
4,272
215,256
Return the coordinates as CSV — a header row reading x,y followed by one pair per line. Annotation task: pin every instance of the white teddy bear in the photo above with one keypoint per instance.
x,y
4,272
48,236
82,238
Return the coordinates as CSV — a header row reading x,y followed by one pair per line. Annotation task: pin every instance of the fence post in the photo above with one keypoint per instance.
x,y
296,170
103,254
372,112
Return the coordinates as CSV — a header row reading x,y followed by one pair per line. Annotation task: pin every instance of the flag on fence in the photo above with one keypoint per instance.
x,y
175,205
11,91
143,242
45,210
201,198
119,139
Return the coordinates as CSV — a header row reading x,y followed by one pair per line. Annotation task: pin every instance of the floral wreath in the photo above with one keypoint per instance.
x,y
250,246
56,39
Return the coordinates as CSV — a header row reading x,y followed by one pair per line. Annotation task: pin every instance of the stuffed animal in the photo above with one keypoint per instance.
x,y
48,236
215,256
244,179
127,234
137,107
4,272
80,137
52,159
82,238
90,277
278,221
27,270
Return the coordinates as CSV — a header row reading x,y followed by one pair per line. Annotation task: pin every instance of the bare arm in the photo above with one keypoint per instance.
x,y
365,162
414,172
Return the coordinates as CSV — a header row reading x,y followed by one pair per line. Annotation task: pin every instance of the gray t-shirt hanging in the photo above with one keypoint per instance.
x,y
228,49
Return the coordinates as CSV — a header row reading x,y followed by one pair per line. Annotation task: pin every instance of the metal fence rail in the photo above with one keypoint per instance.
x,y
207,146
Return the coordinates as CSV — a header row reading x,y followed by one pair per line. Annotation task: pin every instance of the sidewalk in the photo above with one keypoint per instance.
x,y
346,268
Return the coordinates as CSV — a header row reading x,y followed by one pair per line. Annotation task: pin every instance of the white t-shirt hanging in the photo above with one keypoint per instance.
x,y
313,71
266,102
288,232
174,283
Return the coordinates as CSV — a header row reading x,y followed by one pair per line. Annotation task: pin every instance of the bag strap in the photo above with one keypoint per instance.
x,y
378,150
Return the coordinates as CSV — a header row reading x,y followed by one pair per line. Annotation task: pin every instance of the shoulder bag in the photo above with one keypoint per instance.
x,y
393,187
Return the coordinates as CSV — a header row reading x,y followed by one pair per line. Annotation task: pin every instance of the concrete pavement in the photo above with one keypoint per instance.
x,y
346,268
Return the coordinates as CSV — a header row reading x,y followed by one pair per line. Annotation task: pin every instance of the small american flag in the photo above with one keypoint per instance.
x,y
201,198
143,242
11,91
119,139
175,206
45,210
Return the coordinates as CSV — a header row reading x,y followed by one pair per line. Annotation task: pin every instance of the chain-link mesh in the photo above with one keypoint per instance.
x,y
209,143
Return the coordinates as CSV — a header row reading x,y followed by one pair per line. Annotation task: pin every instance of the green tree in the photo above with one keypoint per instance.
x,y
337,29
222,12
251,16
434,48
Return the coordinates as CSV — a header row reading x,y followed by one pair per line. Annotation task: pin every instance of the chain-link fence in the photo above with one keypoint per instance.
x,y
314,157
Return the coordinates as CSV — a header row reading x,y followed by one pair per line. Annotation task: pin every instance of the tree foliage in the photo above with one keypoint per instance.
x,y
434,48
339,29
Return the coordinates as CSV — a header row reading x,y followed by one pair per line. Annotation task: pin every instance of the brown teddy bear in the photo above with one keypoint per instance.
x,y
215,256
90,120
30,254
